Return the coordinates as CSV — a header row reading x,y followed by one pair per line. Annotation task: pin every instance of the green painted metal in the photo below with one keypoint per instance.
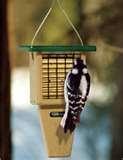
x,y
58,48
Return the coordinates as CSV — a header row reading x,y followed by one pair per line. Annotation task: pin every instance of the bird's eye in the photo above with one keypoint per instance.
x,y
75,71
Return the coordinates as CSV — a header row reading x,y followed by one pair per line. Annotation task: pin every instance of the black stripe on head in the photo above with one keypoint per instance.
x,y
79,64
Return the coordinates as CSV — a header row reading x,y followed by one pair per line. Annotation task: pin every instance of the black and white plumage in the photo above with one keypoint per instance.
x,y
76,90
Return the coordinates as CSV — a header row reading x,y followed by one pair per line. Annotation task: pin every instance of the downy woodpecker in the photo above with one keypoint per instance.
x,y
76,90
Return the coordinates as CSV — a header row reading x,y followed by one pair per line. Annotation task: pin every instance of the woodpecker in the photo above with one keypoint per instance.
x,y
76,90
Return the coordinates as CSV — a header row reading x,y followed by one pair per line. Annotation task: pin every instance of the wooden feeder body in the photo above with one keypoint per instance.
x,y
47,74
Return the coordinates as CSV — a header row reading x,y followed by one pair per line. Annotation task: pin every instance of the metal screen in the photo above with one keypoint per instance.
x,y
55,67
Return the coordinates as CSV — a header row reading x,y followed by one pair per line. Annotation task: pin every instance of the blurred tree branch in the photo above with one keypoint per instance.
x,y
5,134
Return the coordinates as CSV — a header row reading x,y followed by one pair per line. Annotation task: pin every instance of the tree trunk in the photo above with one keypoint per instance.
x,y
5,134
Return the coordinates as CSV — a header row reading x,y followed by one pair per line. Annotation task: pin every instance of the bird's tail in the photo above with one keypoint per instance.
x,y
63,121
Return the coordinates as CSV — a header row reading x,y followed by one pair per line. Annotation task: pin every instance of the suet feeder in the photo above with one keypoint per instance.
x,y
48,68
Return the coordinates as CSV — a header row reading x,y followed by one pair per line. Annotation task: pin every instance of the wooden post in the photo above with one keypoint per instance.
x,y
5,134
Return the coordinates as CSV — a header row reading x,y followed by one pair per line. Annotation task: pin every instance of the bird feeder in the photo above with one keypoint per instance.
x,y
48,68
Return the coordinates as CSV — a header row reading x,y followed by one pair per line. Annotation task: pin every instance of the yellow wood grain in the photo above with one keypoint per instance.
x,y
58,144
35,78
39,80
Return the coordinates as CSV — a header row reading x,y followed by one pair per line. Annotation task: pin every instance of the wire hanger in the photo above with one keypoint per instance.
x,y
66,16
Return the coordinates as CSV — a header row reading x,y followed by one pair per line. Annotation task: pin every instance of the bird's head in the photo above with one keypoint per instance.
x,y
78,66
79,63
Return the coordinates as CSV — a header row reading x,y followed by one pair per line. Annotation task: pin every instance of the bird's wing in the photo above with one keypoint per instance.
x,y
85,85
63,121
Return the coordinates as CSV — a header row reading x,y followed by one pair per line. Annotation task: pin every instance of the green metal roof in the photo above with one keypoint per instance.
x,y
58,48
